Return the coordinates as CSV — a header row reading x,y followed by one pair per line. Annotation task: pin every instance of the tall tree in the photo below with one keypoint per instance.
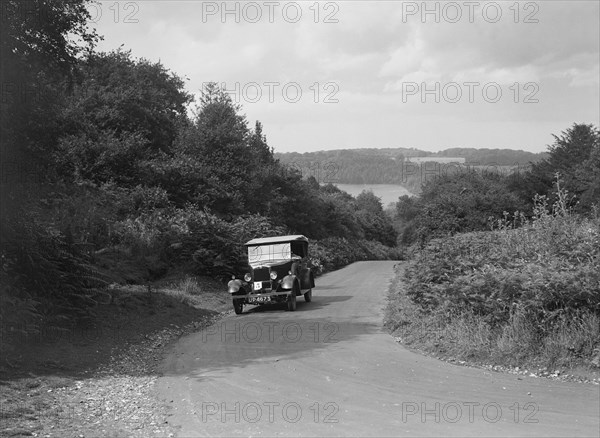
x,y
217,142
262,153
572,151
376,224
121,112
122,94
223,130
39,46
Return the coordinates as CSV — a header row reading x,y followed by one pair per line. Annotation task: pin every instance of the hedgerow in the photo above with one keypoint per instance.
x,y
546,267
527,288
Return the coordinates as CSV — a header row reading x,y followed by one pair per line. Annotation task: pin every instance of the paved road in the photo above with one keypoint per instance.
x,y
330,370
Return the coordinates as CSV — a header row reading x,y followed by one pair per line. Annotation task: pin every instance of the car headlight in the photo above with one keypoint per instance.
x,y
273,275
247,277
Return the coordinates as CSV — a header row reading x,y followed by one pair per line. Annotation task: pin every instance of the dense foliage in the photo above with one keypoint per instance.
x,y
39,47
575,155
543,268
526,293
454,204
468,199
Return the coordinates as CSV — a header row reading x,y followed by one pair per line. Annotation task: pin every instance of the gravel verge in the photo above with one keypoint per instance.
x,y
117,400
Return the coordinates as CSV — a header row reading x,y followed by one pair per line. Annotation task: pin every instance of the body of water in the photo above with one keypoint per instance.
x,y
387,192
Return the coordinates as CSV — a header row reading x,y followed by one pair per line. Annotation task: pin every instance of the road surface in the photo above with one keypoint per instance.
x,y
329,369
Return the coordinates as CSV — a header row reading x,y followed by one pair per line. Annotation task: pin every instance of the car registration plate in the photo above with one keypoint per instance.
x,y
260,299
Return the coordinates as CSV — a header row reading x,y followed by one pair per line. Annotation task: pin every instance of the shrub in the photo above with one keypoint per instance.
x,y
543,267
212,245
46,279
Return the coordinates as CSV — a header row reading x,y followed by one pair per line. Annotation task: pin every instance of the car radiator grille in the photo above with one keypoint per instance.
x,y
261,274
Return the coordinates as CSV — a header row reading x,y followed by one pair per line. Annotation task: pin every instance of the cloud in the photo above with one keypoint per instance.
x,y
370,49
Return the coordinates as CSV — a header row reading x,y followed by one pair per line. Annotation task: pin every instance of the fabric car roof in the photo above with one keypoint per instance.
x,y
277,239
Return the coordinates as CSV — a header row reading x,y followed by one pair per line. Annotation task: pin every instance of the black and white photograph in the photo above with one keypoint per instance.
x,y
311,218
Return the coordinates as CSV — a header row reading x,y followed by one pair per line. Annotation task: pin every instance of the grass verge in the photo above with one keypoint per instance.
x,y
570,350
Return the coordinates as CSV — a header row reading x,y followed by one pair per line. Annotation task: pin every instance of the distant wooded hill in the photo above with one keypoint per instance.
x,y
398,165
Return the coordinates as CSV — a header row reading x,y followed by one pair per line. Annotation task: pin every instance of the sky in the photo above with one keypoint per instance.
x,y
379,74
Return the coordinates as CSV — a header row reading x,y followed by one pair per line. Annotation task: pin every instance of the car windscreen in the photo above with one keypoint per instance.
x,y
269,253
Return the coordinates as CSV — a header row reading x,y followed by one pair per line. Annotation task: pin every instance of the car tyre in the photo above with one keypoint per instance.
x,y
291,303
308,296
238,306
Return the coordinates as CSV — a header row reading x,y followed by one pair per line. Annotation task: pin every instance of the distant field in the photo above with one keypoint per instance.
x,y
387,192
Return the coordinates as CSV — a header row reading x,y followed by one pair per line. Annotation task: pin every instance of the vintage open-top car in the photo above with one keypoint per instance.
x,y
277,273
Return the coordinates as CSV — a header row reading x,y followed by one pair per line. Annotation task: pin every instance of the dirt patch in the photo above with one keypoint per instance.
x,y
96,378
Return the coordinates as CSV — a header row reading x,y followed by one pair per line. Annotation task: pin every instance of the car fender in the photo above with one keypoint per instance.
x,y
308,280
234,286
288,282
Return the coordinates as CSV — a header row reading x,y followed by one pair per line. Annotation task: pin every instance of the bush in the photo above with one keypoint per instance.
x,y
454,203
545,267
571,340
46,278
210,244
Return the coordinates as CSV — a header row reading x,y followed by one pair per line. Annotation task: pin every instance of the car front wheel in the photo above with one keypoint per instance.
x,y
238,306
291,303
